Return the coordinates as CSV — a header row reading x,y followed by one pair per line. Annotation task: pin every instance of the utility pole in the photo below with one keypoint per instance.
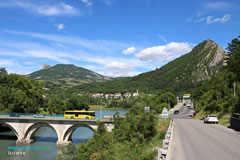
x,y
101,110
168,103
234,91
195,105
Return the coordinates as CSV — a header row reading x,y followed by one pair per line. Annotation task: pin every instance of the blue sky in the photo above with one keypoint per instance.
x,y
111,37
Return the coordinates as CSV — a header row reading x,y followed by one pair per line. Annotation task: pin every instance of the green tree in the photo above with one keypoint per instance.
x,y
75,103
234,57
20,94
3,71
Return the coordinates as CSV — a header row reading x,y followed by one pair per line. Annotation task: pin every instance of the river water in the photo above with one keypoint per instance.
x,y
44,147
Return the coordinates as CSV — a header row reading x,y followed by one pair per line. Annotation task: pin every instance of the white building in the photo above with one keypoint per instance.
x,y
135,94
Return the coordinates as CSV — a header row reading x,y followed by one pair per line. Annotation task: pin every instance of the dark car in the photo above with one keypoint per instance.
x,y
176,112
14,115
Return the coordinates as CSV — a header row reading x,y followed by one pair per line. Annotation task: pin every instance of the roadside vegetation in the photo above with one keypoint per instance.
x,y
220,95
133,137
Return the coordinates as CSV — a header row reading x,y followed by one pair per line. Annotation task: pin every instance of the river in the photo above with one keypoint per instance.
x,y
44,147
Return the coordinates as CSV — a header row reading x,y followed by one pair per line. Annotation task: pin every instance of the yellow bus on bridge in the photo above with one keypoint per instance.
x,y
79,114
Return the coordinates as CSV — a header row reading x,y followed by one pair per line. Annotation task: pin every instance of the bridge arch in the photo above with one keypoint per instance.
x,y
11,127
29,133
69,131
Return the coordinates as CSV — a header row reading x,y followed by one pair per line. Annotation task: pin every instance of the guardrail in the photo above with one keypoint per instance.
x,y
163,152
47,116
31,115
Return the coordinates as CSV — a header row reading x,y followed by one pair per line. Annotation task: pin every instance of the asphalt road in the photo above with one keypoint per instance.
x,y
194,140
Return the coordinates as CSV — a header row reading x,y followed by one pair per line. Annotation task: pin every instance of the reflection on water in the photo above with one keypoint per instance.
x,y
44,147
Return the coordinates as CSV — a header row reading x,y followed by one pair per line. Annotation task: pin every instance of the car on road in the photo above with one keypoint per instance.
x,y
14,115
211,119
176,112
38,116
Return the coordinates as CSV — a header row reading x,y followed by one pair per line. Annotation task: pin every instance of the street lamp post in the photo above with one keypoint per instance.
x,y
101,110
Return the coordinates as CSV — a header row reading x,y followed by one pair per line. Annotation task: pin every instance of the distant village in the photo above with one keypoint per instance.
x,y
115,96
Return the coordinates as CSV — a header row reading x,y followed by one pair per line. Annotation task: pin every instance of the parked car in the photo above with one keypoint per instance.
x,y
211,119
14,115
38,116
176,112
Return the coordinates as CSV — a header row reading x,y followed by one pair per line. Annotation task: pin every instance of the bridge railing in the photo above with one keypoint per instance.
x,y
32,114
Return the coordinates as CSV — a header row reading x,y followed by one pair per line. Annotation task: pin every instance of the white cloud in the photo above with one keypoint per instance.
x,y
166,52
59,26
200,20
29,63
129,50
212,8
87,2
4,62
56,56
119,66
219,5
93,67
211,19
106,46
163,38
108,2
58,9
97,55
120,73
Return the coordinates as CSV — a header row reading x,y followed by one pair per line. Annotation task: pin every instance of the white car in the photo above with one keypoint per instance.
x,y
38,116
211,119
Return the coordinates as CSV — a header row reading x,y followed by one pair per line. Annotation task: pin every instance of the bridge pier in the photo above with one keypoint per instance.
x,y
24,141
63,143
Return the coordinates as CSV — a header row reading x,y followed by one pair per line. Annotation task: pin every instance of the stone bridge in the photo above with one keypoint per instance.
x,y
25,127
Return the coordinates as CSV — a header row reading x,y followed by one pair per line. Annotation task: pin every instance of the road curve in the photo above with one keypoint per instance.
x,y
194,140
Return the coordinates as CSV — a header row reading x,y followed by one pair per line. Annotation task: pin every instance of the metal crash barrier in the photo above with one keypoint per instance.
x,y
163,152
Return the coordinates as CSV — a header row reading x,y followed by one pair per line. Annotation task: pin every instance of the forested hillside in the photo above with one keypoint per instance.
x,y
179,75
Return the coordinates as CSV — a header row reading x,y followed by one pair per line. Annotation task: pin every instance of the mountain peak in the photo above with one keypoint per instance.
x,y
71,74
209,60
180,75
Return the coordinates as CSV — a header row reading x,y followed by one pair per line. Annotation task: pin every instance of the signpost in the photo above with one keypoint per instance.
x,y
147,109
165,113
